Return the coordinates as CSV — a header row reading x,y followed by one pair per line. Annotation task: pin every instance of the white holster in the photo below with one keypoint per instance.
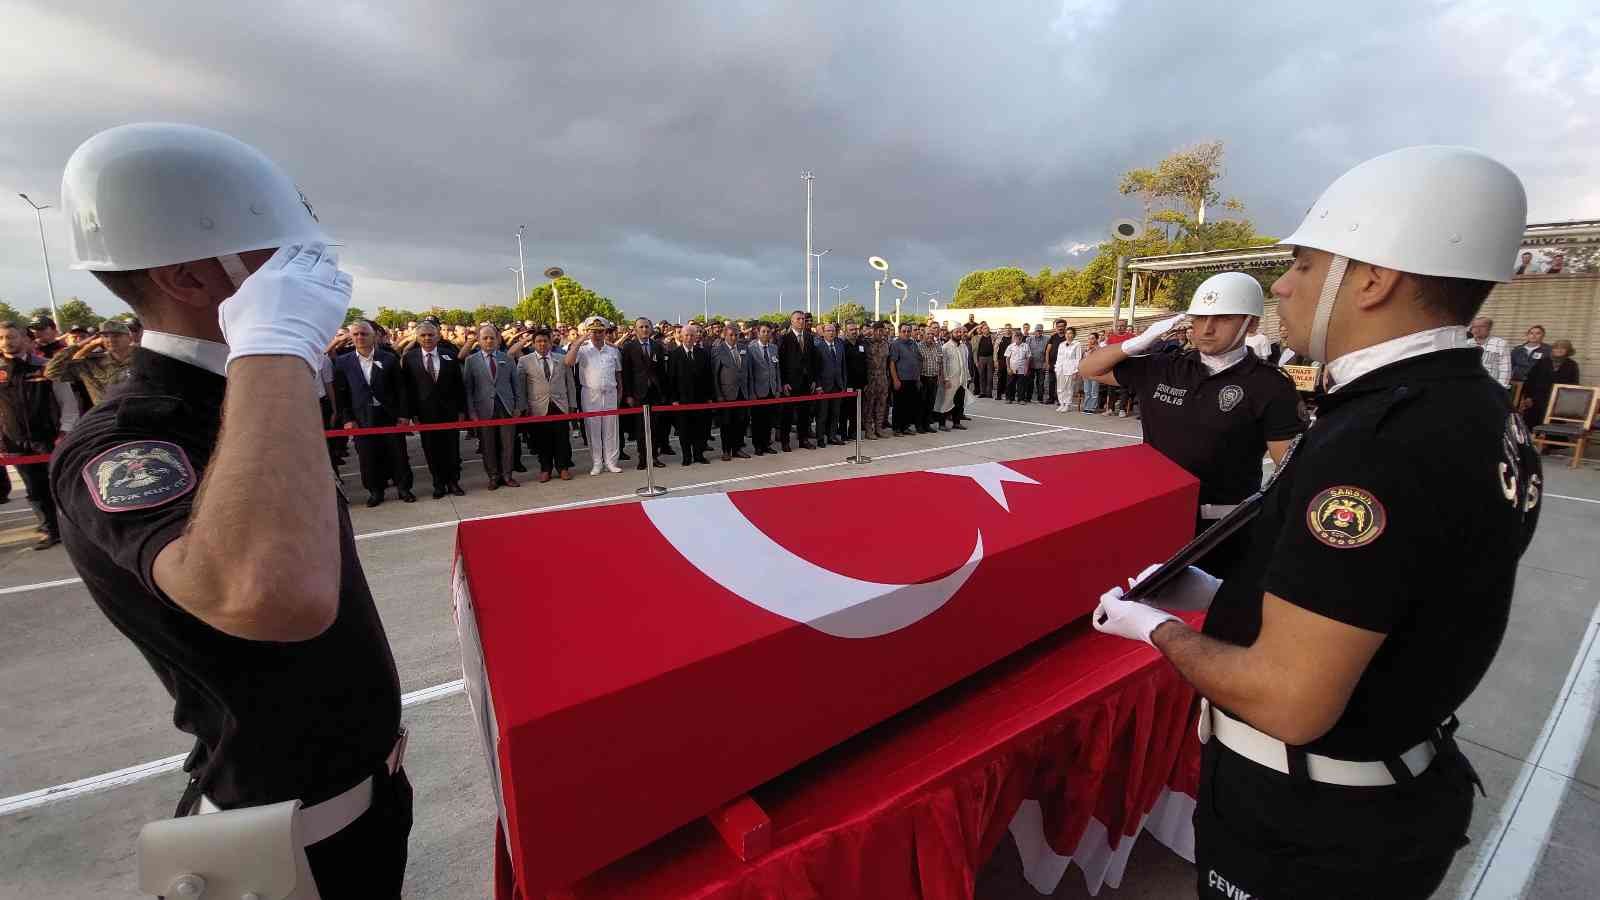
x,y
257,851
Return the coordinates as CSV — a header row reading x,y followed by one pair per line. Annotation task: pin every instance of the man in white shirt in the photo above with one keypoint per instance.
x,y
1018,355
599,367
1259,344
1496,356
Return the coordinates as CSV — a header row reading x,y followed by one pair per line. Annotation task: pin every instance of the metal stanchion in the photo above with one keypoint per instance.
x,y
650,489
858,459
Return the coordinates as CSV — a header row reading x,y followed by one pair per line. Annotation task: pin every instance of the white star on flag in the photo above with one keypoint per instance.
x,y
991,476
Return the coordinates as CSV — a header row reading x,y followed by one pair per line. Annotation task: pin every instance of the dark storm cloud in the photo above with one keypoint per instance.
x,y
645,144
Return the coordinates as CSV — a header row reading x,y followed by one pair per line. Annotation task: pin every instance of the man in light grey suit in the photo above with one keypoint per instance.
x,y
729,380
761,381
547,383
493,392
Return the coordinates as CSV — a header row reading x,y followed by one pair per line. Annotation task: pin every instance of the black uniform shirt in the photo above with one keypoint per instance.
x,y
1403,511
1214,426
273,721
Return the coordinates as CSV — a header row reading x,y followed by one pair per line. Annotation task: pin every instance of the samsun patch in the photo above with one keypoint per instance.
x,y
139,475
1346,517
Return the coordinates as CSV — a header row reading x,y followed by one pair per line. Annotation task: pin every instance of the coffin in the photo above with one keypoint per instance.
x,y
634,667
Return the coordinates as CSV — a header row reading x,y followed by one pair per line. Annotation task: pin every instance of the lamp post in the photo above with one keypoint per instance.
x,y
933,301
838,296
516,284
522,267
49,283
817,271
554,273
881,265
808,178
904,290
705,298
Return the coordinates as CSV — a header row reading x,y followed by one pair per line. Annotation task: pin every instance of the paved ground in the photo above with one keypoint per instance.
x,y
78,706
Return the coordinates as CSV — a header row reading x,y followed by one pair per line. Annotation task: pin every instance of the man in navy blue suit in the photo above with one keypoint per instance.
x,y
369,394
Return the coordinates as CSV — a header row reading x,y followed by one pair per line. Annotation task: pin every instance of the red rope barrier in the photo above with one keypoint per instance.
x,y
471,424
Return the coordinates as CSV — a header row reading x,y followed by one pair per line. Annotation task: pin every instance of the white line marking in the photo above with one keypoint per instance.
x,y
1573,499
39,586
1512,850
157,767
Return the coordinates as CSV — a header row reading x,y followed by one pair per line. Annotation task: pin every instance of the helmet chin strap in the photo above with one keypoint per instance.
x,y
1318,351
234,266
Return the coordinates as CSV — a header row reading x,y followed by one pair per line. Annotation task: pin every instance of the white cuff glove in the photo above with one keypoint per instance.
x,y
1191,590
1128,618
1139,346
292,306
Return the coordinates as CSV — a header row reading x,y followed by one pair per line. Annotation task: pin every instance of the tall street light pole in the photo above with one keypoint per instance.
x,y
882,265
933,300
516,284
554,273
522,266
808,178
49,283
705,298
818,255
904,290
838,296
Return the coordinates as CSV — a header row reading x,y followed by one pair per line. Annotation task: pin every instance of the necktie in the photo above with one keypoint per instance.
x,y
433,370
492,368
546,361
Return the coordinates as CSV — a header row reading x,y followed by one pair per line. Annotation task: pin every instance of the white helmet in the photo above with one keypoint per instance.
x,y
156,194
1439,211
1228,294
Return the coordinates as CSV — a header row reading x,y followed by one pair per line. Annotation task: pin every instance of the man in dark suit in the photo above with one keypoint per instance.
x,y
797,369
689,379
435,393
643,358
367,385
832,355
855,378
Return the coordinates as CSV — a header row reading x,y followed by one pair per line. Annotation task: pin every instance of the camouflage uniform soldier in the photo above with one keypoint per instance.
x,y
875,397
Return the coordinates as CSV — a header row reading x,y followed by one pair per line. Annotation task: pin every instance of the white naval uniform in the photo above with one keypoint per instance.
x,y
599,371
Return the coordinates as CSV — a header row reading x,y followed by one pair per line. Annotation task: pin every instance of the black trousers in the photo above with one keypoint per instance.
x,y
958,406
847,416
928,399
907,405
551,441
368,859
36,479
442,450
1017,388
692,428
1260,833
761,425
383,457
827,420
796,416
733,429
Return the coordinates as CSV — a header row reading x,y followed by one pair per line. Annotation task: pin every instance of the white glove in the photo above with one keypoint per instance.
x,y
290,307
1191,590
1139,346
1128,618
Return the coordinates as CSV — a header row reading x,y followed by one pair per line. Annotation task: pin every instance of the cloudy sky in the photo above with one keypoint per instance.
x,y
645,144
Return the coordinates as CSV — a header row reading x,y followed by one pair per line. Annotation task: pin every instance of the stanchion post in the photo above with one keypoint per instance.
x,y
650,489
858,459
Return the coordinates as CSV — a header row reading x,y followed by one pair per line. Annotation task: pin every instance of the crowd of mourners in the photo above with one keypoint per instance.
x,y
916,379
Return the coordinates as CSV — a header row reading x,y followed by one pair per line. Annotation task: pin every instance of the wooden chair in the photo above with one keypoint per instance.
x,y
1568,419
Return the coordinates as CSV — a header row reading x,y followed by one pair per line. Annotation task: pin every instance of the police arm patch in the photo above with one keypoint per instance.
x,y
1345,517
139,475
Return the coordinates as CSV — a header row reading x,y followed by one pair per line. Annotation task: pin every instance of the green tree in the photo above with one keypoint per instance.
x,y
393,318
74,312
849,311
1005,286
8,313
1190,176
577,303
353,314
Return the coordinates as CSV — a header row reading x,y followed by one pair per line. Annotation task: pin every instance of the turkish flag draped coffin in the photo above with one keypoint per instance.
x,y
687,649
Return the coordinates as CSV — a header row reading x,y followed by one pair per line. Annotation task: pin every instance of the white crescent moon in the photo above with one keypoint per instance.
x,y
716,538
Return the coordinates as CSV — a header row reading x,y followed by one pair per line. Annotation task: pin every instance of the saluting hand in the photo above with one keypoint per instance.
x,y
291,306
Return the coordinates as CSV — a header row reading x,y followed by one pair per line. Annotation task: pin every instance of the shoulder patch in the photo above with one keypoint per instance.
x,y
1345,517
139,475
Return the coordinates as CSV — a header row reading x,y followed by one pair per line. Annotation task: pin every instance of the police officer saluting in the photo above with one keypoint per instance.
x,y
1212,410
217,549
1377,580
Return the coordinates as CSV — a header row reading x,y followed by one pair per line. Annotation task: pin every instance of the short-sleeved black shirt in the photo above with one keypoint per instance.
x,y
1215,426
276,721
1403,511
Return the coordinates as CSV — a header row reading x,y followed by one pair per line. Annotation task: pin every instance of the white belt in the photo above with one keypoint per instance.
x,y
335,814
1216,510
1266,750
